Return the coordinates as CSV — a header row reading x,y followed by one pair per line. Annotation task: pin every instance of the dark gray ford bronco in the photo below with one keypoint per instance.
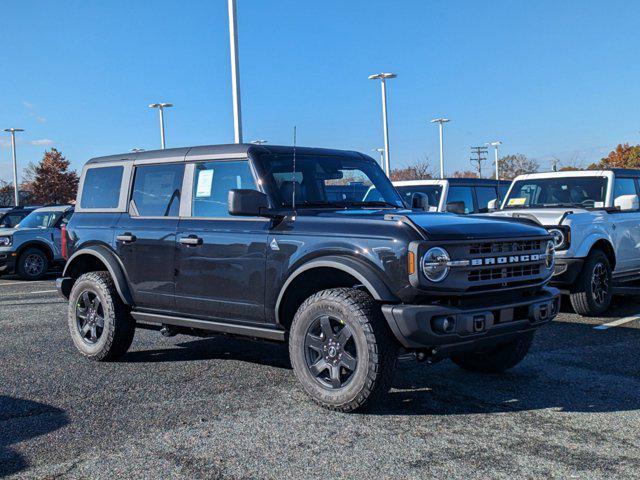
x,y
244,240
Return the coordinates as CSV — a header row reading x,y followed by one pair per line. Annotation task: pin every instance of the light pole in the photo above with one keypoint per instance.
x,y
12,131
441,122
235,71
161,107
383,77
495,146
381,152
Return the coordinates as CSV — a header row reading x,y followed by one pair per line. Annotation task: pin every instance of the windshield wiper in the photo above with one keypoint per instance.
x,y
373,203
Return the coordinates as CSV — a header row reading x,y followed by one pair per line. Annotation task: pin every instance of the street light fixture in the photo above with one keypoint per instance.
x,y
381,152
496,145
441,122
161,107
383,78
12,131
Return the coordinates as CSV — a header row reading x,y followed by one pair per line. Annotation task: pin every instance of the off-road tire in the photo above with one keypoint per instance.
x,y
119,326
22,268
497,359
377,349
582,298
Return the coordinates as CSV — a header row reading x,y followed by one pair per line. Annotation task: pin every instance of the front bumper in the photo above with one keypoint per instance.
x,y
7,262
416,326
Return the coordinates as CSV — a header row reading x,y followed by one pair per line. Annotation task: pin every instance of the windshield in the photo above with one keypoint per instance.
x,y
41,219
327,181
584,192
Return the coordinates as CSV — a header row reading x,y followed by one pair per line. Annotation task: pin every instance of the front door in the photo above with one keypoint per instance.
x,y
626,235
146,235
220,259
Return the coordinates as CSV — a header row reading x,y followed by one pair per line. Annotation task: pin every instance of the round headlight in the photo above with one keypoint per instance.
x,y
5,241
558,236
550,254
435,264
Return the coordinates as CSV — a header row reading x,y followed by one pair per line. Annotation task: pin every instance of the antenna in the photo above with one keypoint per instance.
x,y
293,190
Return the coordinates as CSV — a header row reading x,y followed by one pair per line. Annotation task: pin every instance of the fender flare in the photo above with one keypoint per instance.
x,y
364,273
587,243
41,244
115,268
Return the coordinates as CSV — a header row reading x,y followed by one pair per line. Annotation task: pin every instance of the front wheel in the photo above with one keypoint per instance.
x,y
341,350
32,264
497,359
593,292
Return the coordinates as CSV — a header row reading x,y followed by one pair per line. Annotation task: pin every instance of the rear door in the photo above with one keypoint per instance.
x,y
220,258
146,234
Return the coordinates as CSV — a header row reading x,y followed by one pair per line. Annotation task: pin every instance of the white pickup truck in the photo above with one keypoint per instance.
x,y
594,217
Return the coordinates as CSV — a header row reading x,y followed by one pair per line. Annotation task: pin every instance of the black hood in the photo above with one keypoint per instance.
x,y
447,226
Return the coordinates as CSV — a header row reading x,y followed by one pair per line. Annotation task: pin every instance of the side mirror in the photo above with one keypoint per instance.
x,y
627,202
248,203
420,201
492,204
455,207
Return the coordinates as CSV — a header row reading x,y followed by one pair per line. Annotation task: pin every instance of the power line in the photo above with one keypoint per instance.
x,y
481,156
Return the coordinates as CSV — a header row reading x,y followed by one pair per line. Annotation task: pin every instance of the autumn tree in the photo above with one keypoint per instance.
x,y
518,164
465,174
420,170
52,181
6,193
624,156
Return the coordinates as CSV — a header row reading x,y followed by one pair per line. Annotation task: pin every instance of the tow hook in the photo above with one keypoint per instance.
x,y
168,331
428,356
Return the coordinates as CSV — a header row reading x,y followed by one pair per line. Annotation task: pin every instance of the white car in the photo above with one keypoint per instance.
x,y
594,217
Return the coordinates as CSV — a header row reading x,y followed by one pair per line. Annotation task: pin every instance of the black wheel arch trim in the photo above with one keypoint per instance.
x,y
114,267
354,267
36,244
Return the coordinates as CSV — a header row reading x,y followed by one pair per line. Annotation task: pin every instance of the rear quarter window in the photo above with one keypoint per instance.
x,y
101,187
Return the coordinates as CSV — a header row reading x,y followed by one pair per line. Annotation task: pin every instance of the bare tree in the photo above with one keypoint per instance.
x,y
465,174
518,164
419,170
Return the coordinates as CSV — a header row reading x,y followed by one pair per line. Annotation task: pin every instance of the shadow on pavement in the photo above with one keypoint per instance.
x,y
22,420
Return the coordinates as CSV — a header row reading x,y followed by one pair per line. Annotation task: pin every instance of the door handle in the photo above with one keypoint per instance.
x,y
191,241
126,238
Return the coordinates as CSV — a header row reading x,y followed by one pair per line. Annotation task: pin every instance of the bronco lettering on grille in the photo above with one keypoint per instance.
x,y
504,260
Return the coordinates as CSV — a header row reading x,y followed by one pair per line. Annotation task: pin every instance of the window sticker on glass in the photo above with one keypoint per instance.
x,y
517,201
598,204
205,182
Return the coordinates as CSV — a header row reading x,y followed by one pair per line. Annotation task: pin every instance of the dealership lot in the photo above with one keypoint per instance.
x,y
230,408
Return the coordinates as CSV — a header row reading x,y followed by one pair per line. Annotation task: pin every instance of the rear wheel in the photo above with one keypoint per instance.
x,y
100,324
32,264
497,359
593,292
341,350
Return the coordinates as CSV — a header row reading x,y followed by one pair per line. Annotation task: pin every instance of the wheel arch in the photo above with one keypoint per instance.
x,y
96,258
39,244
606,247
323,273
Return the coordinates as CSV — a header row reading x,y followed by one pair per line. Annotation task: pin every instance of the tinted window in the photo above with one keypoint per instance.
x,y
587,192
503,190
460,200
212,182
624,186
101,188
431,191
11,219
156,190
484,195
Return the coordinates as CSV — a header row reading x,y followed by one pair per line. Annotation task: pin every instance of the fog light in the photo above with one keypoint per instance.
x,y
443,324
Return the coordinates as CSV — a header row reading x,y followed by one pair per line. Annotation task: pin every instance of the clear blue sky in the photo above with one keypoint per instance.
x,y
548,78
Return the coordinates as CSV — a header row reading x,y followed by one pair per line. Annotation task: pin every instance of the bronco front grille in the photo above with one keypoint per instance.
x,y
503,273
518,246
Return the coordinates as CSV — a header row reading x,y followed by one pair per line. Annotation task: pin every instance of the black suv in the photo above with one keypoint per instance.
x,y
244,240
12,216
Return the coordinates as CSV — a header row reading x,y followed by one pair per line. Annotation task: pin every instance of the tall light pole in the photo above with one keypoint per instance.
x,y
12,131
383,77
441,122
381,152
235,71
161,107
495,146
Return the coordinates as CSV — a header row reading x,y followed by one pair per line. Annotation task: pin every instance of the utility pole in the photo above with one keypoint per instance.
x,y
481,156
12,131
235,72
385,124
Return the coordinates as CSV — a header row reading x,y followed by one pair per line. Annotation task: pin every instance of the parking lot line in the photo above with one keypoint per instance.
x,y
22,283
45,291
617,323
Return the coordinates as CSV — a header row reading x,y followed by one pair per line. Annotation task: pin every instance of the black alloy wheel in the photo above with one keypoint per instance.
x,y
89,317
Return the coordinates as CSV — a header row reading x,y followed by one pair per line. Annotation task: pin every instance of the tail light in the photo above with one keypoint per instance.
x,y
63,242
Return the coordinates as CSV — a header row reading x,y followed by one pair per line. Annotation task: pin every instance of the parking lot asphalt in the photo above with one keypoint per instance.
x,y
186,407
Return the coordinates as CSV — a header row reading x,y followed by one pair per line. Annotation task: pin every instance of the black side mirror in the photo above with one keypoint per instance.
x,y
249,203
420,201
455,207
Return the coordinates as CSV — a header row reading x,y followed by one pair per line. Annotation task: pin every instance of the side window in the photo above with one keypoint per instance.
x,y
101,187
156,190
624,186
66,217
484,196
460,200
212,182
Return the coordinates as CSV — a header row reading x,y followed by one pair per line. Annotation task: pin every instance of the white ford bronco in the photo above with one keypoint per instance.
x,y
594,217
